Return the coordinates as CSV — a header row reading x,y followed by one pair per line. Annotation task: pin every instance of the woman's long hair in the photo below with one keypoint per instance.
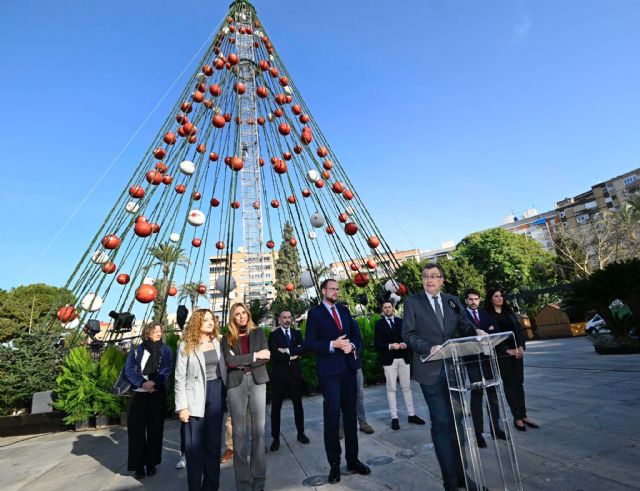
x,y
234,330
488,304
191,333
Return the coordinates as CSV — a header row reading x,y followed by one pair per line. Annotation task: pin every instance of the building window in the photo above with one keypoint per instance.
x,y
582,219
591,205
629,180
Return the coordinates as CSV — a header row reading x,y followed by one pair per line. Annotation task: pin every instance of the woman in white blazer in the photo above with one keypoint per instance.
x,y
200,395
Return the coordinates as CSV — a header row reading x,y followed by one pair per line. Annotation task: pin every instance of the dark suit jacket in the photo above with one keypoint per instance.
x,y
133,368
321,330
383,336
283,368
514,327
487,324
237,363
421,331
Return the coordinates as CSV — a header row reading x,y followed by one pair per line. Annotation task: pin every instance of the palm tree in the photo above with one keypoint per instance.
x,y
166,256
190,291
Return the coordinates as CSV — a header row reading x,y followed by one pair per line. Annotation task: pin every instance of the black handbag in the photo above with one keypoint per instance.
x,y
122,387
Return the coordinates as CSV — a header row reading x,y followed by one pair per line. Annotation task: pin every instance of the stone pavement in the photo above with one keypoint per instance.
x,y
588,407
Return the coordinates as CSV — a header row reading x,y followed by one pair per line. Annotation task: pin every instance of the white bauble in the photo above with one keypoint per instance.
x,y
132,207
196,218
312,175
306,279
99,257
230,284
91,302
187,167
391,286
312,235
174,237
317,220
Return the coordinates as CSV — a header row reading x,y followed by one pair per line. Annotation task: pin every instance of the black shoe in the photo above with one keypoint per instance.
x,y
151,470
302,438
530,424
481,441
334,474
359,468
139,473
395,424
499,434
470,485
416,420
275,445
519,428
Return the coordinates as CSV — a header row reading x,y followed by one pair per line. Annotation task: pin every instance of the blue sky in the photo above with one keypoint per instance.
x,y
448,115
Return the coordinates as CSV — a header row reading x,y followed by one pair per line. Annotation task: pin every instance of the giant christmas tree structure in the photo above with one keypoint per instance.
x,y
240,150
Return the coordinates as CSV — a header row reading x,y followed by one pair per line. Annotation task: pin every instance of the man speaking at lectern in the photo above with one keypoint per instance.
x,y
430,319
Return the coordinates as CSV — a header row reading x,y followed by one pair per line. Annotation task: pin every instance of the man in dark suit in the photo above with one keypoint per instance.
x,y
286,346
430,319
476,368
394,356
335,337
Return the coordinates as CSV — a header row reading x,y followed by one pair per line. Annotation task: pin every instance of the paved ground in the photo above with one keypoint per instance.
x,y
588,406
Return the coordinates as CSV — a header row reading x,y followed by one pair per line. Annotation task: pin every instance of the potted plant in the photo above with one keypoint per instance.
x,y
108,368
76,388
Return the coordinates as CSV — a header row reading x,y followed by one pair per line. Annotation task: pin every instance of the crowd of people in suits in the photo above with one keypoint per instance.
x,y
217,373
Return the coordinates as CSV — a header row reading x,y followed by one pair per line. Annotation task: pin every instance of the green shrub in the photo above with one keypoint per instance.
x,y
77,387
108,369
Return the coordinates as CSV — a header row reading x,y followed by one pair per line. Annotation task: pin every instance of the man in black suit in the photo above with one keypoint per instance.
x,y
476,368
430,319
394,356
286,346
334,337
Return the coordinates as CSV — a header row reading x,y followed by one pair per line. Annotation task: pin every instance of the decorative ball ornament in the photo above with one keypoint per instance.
x,y
293,242
196,196
330,230
347,194
219,245
143,229
215,202
319,183
123,278
296,109
289,287
173,291
327,165
350,210
371,264
395,299
284,129
154,177
99,257
337,187
174,237
218,121
291,199
322,152
146,293
391,286
169,138
225,284
109,267
111,241
354,267
180,188
280,167
148,281
312,235
373,241
343,217
306,192
72,326
361,279
317,220
91,302
136,191
312,175
304,119
350,228
132,207
235,205
159,153
167,179
275,203
196,218
196,242
236,164
66,314
239,88
213,157
270,244
306,279
402,290
360,309
187,167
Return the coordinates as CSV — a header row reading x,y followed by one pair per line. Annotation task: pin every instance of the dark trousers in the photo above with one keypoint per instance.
x,y
476,369
443,431
278,390
339,392
512,372
145,428
202,440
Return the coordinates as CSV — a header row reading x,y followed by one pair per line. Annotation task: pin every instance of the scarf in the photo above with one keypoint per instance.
x,y
153,363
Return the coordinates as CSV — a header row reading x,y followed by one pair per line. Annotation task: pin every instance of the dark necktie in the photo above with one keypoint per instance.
x,y
439,314
286,333
390,321
336,319
475,318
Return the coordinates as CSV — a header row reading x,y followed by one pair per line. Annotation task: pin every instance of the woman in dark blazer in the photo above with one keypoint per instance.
x,y
510,354
200,389
147,369
246,352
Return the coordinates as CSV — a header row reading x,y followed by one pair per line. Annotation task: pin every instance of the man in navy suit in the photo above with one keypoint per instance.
x,y
334,337
286,346
476,368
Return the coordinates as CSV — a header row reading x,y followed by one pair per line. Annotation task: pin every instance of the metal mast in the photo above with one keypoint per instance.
x,y
249,151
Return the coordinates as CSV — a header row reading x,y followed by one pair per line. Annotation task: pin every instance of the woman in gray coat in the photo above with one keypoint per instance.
x,y
246,351
200,390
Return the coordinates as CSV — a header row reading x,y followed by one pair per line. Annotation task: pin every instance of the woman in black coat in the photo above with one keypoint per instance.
x,y
510,354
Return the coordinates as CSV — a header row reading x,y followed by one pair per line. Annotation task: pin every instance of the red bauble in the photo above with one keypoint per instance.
x,y
202,289
306,192
155,228
275,203
277,112
193,139
291,199
109,267
289,287
284,81
289,99
281,99
296,109
161,167
325,174
159,153
196,196
322,152
235,205
330,230
215,202
350,228
297,149
371,264
327,164
236,163
208,103
284,129
146,293
196,242
218,121
227,160
136,191
239,88
348,194
201,148
337,187
111,241
169,138
353,266
67,314
233,59
343,217
306,136
213,157
262,91
227,117
215,90
207,70
304,119
261,162
186,107
123,278
167,179
180,188
261,121
154,177
273,71
402,290
373,241
189,128
143,229
361,279
293,242
264,65
173,291
280,167
319,183
219,245
270,244
287,155
197,96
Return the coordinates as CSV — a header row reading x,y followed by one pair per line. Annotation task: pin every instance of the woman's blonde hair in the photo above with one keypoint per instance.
x,y
233,335
149,327
191,334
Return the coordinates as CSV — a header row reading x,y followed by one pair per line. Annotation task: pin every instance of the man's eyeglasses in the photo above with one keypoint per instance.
x,y
432,277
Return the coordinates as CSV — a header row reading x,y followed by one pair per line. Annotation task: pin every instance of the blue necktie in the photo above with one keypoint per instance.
x,y
286,333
